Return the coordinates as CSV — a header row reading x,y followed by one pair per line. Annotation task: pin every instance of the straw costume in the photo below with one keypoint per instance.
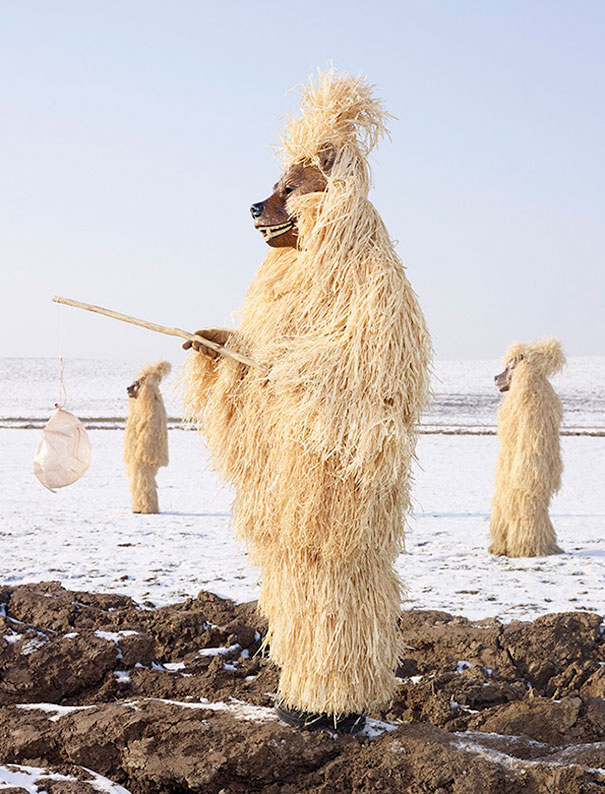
x,y
529,462
146,438
318,440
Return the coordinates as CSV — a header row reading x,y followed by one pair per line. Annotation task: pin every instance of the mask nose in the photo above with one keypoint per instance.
x,y
256,210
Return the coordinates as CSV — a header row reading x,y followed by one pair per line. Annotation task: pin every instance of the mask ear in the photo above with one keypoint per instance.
x,y
327,155
552,357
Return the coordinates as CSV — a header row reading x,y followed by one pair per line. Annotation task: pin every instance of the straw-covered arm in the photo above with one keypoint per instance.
x,y
208,375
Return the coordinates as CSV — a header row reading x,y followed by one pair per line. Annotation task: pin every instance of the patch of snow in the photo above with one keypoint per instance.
x,y
237,708
52,708
218,651
512,762
414,679
174,666
32,645
122,676
28,777
114,636
510,738
463,665
596,746
495,756
12,638
103,784
72,635
374,728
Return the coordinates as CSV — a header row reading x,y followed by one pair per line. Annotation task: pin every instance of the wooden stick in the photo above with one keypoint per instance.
x,y
162,329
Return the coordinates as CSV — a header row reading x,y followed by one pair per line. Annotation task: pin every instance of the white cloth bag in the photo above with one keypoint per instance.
x,y
63,454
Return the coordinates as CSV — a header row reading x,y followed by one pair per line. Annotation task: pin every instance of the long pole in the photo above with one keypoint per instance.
x,y
161,329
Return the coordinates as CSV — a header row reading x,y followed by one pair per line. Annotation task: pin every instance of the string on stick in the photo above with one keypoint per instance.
x,y
62,401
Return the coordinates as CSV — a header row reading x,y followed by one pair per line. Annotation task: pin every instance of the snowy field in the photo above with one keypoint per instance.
x,y
86,537
465,397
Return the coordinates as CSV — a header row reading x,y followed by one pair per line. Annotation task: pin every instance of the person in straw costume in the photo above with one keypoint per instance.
x,y
146,438
529,465
319,438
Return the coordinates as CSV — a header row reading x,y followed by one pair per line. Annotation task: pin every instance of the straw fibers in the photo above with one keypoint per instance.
x,y
146,438
529,465
318,442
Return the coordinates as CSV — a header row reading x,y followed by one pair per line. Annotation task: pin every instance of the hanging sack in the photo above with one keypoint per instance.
x,y
63,454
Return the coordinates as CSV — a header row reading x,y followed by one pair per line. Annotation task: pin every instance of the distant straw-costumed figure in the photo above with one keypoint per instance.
x,y
319,439
529,462
146,439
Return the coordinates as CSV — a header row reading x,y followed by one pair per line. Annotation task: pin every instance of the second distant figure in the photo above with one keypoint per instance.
x,y
146,439
529,462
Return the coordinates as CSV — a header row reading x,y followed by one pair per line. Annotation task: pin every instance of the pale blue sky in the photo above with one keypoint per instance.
x,y
135,134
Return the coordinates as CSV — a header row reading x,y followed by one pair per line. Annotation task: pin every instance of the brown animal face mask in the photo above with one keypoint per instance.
x,y
133,389
271,216
503,380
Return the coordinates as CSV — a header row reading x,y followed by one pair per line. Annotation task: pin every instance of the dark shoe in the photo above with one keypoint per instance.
x,y
307,721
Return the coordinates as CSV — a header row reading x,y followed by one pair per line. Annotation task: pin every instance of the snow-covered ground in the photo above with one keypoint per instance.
x,y
86,537
465,396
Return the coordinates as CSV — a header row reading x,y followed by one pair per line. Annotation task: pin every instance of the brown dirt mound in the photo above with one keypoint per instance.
x,y
177,699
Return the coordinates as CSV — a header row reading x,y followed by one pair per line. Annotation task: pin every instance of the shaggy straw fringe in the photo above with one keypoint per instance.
x,y
146,438
529,462
319,450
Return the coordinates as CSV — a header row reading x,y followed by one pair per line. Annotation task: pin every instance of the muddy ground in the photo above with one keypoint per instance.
x,y
177,699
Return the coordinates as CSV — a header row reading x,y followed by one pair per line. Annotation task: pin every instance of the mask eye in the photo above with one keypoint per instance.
x,y
288,189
